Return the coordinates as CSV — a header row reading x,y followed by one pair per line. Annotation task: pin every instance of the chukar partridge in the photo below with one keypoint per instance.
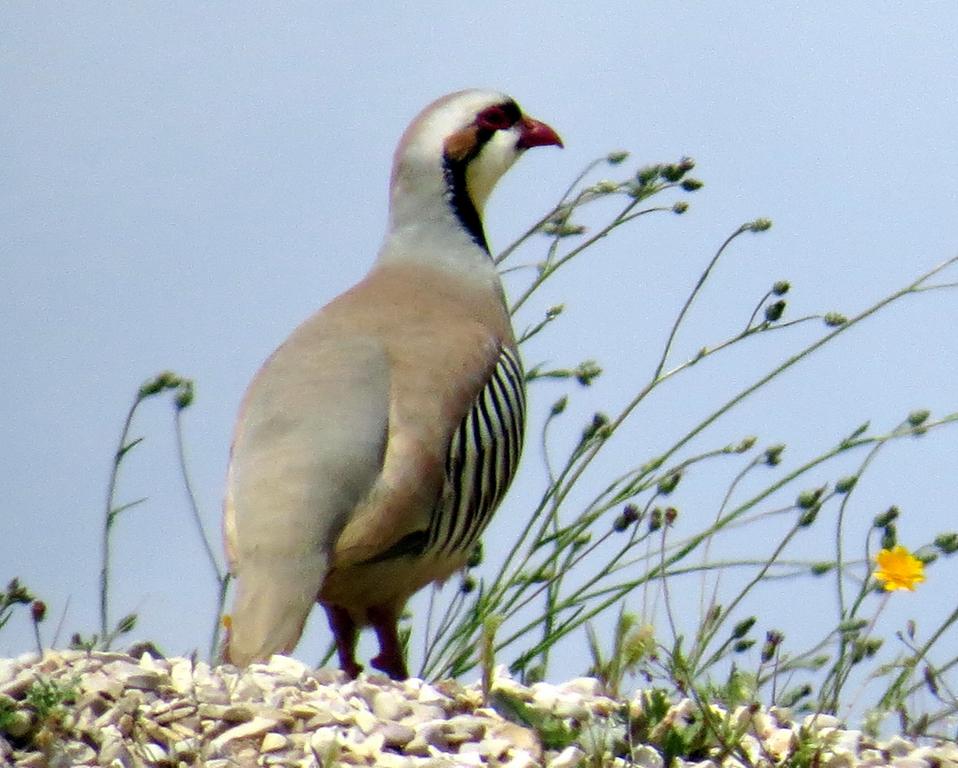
x,y
374,444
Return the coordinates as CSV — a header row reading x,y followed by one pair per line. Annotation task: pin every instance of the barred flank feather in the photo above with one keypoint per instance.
x,y
482,460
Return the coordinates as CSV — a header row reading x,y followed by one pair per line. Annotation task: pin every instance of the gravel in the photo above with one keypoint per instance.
x,y
74,708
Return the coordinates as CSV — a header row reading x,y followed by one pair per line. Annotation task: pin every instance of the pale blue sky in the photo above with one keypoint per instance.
x,y
184,183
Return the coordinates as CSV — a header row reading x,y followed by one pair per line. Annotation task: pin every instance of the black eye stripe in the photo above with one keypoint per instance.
x,y
512,111
499,116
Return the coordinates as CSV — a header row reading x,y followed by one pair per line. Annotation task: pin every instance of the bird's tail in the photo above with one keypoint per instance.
x,y
270,608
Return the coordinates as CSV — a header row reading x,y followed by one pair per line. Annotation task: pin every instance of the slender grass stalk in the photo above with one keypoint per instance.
x,y
158,384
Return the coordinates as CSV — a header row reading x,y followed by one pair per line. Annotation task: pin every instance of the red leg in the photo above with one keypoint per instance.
x,y
390,659
345,633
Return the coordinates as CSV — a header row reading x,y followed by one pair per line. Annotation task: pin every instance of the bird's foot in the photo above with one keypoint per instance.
x,y
351,668
392,664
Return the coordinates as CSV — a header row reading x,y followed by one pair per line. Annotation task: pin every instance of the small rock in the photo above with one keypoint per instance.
x,y
584,686
392,760
871,757
387,705
849,740
819,721
896,746
365,720
521,759
909,762
132,675
273,742
570,757
8,670
73,753
494,749
781,742
153,753
841,758
521,739
32,760
181,676
427,735
429,695
18,724
365,746
286,666
255,727
396,735
325,746
17,687
420,713
463,728
470,760
645,756
187,750
573,705
239,713
98,682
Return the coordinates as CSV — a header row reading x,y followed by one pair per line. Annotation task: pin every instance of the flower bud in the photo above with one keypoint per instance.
x,y
774,311
605,187
885,518
889,536
38,611
833,319
947,543
845,484
808,499
669,483
781,287
184,397
773,639
742,628
773,455
655,520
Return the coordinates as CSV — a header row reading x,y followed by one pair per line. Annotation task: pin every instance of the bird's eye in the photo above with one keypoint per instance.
x,y
494,119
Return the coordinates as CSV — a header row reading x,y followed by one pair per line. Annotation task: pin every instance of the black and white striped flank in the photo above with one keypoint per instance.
x,y
482,460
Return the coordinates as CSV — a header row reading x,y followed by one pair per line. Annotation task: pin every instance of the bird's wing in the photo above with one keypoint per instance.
x,y
309,447
455,429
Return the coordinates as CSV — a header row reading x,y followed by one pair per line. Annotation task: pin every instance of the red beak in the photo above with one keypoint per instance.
x,y
536,134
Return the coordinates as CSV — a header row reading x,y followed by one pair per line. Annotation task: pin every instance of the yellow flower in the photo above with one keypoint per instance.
x,y
898,569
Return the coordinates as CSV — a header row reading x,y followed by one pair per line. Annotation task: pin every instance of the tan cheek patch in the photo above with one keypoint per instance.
x,y
461,144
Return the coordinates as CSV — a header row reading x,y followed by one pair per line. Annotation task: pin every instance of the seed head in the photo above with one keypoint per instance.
x,y
781,287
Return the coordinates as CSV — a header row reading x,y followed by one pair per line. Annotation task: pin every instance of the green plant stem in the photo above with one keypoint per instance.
x,y
623,589
894,691
222,578
110,515
691,298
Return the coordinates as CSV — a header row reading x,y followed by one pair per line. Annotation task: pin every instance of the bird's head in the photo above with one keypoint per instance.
x,y
454,152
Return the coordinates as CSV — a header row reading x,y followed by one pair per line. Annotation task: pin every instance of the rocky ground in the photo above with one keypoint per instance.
x,y
72,708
